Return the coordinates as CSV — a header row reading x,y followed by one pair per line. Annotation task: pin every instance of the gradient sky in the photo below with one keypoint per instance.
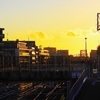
x,y
63,24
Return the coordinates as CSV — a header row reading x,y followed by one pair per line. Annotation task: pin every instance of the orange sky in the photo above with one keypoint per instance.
x,y
63,24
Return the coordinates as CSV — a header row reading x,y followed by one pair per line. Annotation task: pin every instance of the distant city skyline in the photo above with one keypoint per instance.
x,y
56,23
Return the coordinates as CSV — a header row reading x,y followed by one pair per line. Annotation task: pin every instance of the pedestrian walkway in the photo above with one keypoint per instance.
x,y
90,90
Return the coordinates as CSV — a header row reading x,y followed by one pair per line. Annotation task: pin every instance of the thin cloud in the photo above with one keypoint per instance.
x,y
70,33
79,32
63,35
40,36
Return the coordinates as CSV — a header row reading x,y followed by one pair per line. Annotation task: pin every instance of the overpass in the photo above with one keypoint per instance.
x,y
41,73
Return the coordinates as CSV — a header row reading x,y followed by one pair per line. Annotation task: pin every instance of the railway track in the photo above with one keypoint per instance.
x,y
33,91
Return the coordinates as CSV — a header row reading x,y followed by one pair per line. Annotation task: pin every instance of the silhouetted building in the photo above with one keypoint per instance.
x,y
1,46
43,56
82,53
15,53
33,50
62,52
19,53
1,40
52,50
93,54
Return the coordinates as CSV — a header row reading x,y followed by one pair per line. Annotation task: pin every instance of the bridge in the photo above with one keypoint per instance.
x,y
41,73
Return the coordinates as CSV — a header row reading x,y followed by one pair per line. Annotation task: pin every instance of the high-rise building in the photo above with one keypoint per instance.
x,y
21,52
1,47
1,39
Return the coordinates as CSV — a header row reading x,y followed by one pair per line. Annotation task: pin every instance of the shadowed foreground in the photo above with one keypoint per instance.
x,y
90,90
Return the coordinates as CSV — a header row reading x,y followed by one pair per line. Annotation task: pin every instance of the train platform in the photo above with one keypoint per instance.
x,y
90,90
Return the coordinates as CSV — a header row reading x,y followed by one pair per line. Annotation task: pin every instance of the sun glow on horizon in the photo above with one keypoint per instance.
x,y
72,40
56,23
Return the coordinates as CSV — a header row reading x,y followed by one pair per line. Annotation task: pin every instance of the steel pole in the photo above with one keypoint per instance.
x,y
86,52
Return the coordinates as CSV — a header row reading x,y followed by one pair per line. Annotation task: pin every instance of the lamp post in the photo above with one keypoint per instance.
x,y
86,46
86,51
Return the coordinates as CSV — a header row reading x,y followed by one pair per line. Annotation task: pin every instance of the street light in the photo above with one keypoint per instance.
x,y
86,50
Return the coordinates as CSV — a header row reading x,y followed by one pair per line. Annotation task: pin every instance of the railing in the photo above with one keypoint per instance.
x,y
77,85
